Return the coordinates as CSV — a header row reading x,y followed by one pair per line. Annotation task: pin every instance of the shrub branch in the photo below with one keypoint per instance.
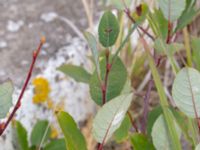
x,y
4,125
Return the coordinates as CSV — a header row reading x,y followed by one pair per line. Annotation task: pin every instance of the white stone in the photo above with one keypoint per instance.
x,y
13,26
3,44
48,17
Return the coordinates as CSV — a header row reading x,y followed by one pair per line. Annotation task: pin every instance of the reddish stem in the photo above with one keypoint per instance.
x,y
104,85
127,11
100,147
168,40
104,88
18,104
132,122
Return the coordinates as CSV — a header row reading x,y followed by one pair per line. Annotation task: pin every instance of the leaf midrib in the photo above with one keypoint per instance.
x,y
192,94
107,131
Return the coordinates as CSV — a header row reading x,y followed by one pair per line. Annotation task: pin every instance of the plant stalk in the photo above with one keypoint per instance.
x,y
163,99
18,104
127,11
187,46
146,106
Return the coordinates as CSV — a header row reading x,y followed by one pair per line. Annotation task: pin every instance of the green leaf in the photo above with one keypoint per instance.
x,y
93,45
186,91
187,16
152,117
160,46
172,9
163,100
158,23
119,4
73,136
6,91
141,142
195,43
33,148
183,122
116,80
39,132
127,87
58,144
122,132
22,137
173,48
167,49
78,73
181,119
160,134
108,29
110,117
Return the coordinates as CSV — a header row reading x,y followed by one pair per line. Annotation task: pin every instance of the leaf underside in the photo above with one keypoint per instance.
x,y
186,91
6,91
110,117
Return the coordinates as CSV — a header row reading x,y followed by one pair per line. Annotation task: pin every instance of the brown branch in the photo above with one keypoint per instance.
x,y
168,40
127,11
4,125
132,122
146,105
104,88
104,85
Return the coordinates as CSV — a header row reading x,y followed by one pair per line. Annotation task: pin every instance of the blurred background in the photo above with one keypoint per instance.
x,y
62,22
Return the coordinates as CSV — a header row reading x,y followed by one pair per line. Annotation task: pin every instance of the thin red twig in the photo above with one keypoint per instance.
x,y
132,122
104,88
127,11
104,85
168,40
3,126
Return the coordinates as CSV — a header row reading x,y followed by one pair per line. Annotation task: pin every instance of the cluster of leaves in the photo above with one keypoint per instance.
x,y
39,138
111,88
165,123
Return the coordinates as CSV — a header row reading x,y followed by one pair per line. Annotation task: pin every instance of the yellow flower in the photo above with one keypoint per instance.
x,y
54,132
41,90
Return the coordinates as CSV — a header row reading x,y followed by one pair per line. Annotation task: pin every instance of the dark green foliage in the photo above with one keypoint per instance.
x,y
158,24
122,133
22,137
188,15
108,29
116,80
58,144
40,131
141,142
73,137
195,43
152,116
78,73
